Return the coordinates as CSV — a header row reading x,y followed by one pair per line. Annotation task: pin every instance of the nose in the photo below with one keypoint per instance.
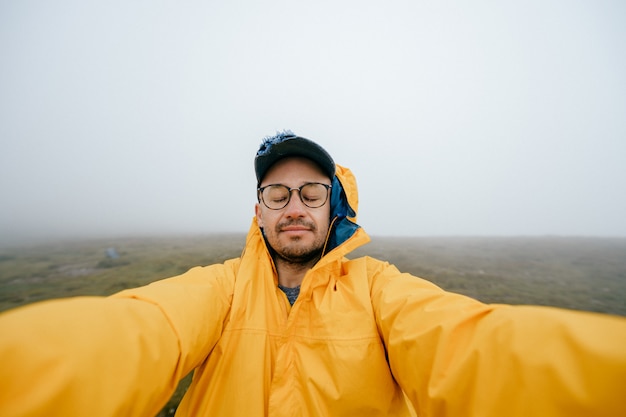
x,y
295,207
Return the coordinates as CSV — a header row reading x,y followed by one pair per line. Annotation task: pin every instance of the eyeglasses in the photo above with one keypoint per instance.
x,y
277,196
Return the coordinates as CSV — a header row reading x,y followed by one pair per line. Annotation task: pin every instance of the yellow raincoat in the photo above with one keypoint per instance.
x,y
362,339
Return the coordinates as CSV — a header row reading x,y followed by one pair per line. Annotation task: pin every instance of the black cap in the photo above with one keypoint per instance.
x,y
285,144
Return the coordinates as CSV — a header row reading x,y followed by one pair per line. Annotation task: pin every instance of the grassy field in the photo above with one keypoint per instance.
x,y
576,273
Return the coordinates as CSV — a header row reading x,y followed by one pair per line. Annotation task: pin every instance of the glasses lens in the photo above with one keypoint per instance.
x,y
314,195
276,196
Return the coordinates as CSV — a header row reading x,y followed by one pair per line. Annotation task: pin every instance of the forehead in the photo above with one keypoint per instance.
x,y
294,170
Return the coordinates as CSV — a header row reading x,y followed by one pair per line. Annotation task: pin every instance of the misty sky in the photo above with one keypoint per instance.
x,y
120,118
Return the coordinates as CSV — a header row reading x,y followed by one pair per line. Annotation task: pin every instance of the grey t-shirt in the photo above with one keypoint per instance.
x,y
291,293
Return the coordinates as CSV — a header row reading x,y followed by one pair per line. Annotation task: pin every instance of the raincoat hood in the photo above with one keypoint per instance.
x,y
344,203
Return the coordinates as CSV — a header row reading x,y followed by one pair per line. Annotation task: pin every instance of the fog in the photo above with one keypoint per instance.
x,y
124,118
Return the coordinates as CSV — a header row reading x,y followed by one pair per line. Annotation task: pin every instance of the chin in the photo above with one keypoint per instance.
x,y
299,251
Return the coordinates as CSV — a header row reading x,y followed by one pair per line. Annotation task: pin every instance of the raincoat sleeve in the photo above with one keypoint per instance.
x,y
110,356
454,356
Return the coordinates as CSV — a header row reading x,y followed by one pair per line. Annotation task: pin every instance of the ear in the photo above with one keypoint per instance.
x,y
259,214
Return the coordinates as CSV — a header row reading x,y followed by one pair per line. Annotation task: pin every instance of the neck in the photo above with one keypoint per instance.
x,y
291,274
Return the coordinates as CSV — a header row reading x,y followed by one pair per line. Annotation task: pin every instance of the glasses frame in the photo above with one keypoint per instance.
x,y
299,189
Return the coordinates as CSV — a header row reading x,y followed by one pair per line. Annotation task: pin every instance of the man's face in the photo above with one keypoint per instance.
x,y
296,232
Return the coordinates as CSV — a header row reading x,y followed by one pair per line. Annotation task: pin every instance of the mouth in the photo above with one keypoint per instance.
x,y
295,228
295,231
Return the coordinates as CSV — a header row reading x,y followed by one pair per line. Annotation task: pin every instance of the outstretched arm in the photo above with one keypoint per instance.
x,y
119,355
453,355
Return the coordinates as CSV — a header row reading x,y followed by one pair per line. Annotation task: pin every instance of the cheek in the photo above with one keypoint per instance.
x,y
326,217
265,217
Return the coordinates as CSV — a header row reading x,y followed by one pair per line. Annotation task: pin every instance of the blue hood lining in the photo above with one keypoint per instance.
x,y
342,227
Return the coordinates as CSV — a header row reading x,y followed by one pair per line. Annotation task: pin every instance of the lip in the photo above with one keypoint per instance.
x,y
295,229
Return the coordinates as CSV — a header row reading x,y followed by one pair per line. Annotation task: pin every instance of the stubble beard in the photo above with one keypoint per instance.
x,y
294,252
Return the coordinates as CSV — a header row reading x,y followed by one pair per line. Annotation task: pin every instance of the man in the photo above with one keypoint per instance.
x,y
294,328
